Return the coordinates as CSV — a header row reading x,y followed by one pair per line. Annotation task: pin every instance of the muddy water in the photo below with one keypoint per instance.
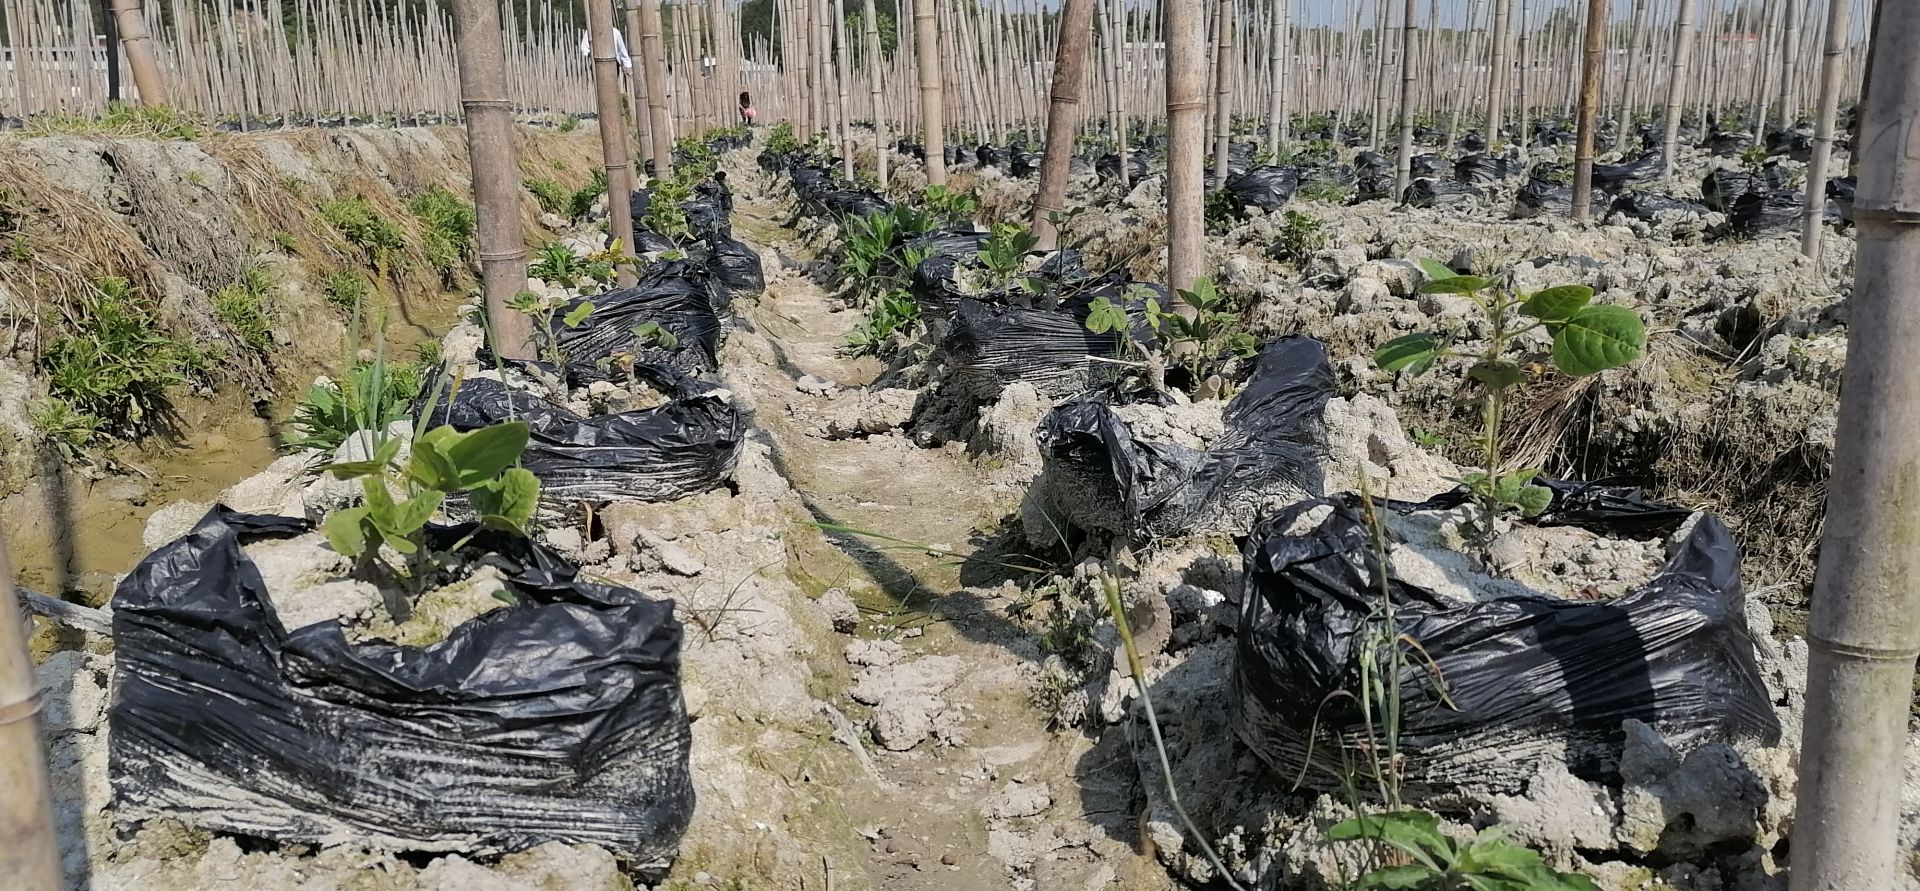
x,y
73,535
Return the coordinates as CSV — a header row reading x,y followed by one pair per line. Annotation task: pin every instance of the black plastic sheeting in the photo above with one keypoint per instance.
x,y
1525,679
558,718
1440,193
989,347
1097,476
1614,177
1541,197
932,282
1479,168
1108,167
671,295
1647,205
1760,212
735,266
1267,188
1604,506
684,446
1378,187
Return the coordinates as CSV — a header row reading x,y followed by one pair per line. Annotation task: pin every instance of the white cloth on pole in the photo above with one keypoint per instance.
x,y
619,48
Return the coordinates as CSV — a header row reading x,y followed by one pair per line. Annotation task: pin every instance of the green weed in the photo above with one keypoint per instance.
x,y
553,197
583,198
449,222
362,226
242,307
68,429
117,360
121,119
344,289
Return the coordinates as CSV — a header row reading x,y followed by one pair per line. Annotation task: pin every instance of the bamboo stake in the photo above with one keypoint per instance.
x,y
496,174
1677,87
1069,77
845,71
637,89
31,857
1636,42
1223,90
654,60
1277,61
926,38
613,137
1790,78
1186,80
1595,38
1812,224
880,149
1497,90
131,20
1864,632
1403,159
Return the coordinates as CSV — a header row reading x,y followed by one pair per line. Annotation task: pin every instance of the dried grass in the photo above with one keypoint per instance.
x,y
69,242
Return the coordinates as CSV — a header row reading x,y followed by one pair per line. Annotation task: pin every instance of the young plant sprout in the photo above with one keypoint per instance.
x,y
1587,338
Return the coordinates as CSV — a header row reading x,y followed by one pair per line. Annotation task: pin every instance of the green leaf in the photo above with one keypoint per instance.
x,y
1104,317
1435,269
1558,303
1401,352
1498,374
429,465
1458,284
1506,489
508,502
1415,832
1598,338
347,470
1398,878
480,455
1533,499
578,314
402,519
345,532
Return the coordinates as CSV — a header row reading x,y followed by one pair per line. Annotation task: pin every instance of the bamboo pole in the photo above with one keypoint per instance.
x,y
1277,62
613,136
1636,43
496,174
1403,158
844,73
1790,76
1069,78
131,20
1223,90
30,859
1812,224
1864,631
880,149
637,89
1186,80
653,58
1590,73
1497,90
1677,85
926,38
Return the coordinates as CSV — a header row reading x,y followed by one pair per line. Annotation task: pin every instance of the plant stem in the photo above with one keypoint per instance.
x,y
1118,609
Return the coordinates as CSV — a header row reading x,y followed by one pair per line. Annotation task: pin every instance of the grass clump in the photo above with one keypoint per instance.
x,y
117,360
242,307
554,198
357,221
121,119
583,198
344,289
373,395
449,223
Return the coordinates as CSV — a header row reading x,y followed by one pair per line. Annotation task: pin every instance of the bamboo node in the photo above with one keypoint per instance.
x,y
1863,653
20,711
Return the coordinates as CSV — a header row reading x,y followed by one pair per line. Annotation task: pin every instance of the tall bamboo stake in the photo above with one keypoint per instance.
x,y
1812,224
1113,29
1403,159
1595,43
637,88
872,43
1498,91
1069,77
613,136
653,59
926,38
1864,631
1277,63
1223,89
496,174
1676,86
1186,76
844,73
131,20
1635,44
30,859
1790,76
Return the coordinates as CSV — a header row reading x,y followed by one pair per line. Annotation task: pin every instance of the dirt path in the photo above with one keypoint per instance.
x,y
1008,803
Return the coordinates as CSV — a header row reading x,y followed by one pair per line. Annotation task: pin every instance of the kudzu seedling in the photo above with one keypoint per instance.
x,y
1587,338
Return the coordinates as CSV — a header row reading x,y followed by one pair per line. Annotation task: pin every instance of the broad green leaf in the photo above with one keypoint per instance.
x,y
481,454
1397,878
1498,374
405,518
1458,284
1399,353
1557,303
1415,832
578,314
344,531
1104,317
347,470
1534,499
510,501
1435,269
1598,338
1507,488
429,464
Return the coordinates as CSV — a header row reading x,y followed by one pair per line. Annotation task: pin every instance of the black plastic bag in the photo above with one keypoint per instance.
x,y
1606,506
1840,192
1108,167
557,718
1760,212
1097,476
684,446
1373,188
1614,177
1721,187
735,266
1524,679
1370,162
933,283
854,203
1647,205
680,303
1541,197
988,347
1025,163
1268,188
1426,165
1726,144
990,156
1440,193
1479,168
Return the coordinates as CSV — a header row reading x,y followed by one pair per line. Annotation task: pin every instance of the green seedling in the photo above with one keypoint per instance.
x,y
1437,862
1202,341
1587,338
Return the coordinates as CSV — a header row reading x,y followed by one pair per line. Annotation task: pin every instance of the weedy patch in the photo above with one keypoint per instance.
x,y
117,359
448,224
362,225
